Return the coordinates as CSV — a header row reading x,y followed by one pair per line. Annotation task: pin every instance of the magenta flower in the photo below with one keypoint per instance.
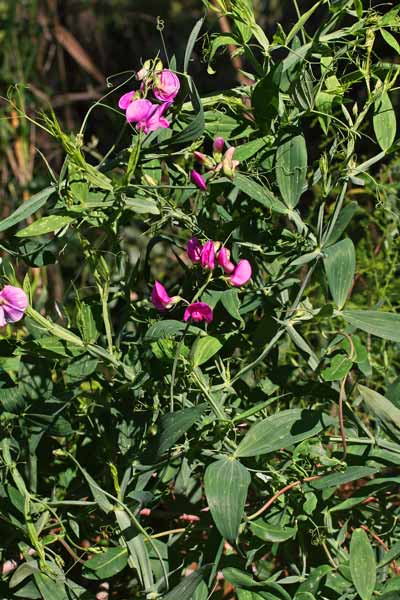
x,y
198,311
224,261
194,249
242,273
218,145
125,100
160,297
138,110
167,86
155,120
198,180
207,258
13,304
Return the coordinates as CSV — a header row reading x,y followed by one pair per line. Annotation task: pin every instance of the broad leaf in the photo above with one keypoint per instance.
x,y
382,324
259,193
336,479
226,482
186,588
362,564
203,349
272,533
380,406
291,168
340,266
108,563
174,425
45,225
281,431
385,125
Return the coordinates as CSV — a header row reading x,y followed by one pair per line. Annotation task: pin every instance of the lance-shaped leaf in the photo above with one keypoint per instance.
x,y
226,482
340,266
281,431
174,425
385,125
382,324
291,168
362,564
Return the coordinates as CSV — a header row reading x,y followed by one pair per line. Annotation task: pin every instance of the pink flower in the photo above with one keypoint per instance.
x,y
138,110
125,100
141,74
224,261
198,180
218,145
160,298
13,304
194,249
198,311
167,86
242,273
155,120
228,165
207,258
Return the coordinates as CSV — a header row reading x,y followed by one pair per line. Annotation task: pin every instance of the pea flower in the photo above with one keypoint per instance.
x,y
155,120
167,86
242,273
160,298
224,261
218,145
13,304
199,311
207,257
126,99
204,159
194,249
228,164
198,180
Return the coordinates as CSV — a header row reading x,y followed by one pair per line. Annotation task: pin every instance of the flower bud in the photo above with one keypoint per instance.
x,y
198,180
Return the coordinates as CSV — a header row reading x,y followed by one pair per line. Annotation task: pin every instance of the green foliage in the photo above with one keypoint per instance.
x,y
160,456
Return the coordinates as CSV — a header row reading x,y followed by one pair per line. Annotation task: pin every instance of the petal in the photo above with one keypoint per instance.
x,y
139,110
242,273
3,321
14,300
125,100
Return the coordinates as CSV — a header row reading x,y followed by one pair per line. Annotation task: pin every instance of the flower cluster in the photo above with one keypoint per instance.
x,y
215,163
206,255
13,304
147,115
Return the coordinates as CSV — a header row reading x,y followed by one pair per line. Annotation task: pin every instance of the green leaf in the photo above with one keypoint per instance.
x,y
385,125
50,589
291,168
390,555
45,225
340,267
248,150
142,205
272,533
80,368
26,209
187,587
231,303
301,22
340,366
359,8
167,329
173,425
226,483
380,406
259,193
312,583
191,43
344,218
362,564
203,349
382,324
391,40
281,431
108,563
337,479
